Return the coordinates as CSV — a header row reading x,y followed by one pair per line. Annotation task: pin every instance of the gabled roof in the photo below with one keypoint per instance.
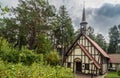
x,y
114,58
91,41
75,41
89,56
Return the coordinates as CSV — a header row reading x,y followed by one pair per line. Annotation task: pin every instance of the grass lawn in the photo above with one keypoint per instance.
x,y
112,75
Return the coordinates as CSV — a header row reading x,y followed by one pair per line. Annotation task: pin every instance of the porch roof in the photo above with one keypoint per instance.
x,y
114,58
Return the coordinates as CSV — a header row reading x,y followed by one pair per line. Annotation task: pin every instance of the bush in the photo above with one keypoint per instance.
x,y
13,64
10,54
53,58
33,71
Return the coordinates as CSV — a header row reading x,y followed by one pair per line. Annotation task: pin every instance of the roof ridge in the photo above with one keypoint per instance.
x,y
89,56
78,36
96,46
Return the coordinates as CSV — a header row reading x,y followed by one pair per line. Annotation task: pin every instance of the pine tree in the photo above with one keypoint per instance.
x,y
63,28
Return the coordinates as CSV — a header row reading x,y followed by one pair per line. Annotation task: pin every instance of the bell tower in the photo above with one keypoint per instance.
x,y
83,24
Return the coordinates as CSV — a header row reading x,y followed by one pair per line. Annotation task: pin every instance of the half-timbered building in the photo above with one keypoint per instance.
x,y
85,55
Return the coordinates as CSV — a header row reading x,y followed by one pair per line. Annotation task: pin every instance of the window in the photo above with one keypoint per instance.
x,y
86,66
68,64
110,64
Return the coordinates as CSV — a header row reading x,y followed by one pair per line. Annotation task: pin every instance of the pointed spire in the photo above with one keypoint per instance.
x,y
84,23
83,16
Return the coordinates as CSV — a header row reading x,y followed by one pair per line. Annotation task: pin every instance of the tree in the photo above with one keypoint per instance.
x,y
99,38
31,19
63,28
43,45
91,32
114,35
101,41
3,11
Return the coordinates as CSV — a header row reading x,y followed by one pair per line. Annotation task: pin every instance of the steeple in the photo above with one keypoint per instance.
x,y
83,15
83,24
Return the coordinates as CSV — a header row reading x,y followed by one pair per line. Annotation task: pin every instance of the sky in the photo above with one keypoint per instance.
x,y
100,14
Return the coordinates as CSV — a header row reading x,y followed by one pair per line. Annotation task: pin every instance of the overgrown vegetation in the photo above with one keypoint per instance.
x,y
28,40
36,70
10,54
53,58
24,63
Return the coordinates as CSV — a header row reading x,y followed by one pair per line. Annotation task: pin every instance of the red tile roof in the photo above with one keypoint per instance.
x,y
96,46
114,58
89,56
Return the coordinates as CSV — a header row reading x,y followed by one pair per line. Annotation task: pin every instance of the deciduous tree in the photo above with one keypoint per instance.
x,y
114,35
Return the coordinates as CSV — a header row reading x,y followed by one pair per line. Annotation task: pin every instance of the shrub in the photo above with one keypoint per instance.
x,y
53,58
10,54
33,71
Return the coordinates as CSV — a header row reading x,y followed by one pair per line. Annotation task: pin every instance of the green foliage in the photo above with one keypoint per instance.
x,y
9,29
119,71
53,58
33,71
43,45
101,42
9,54
25,63
3,10
114,35
112,75
31,19
99,39
91,33
63,30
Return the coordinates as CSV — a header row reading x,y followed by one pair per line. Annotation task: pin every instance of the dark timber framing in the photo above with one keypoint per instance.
x,y
92,50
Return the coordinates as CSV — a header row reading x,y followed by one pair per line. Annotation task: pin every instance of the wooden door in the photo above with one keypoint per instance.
x,y
78,67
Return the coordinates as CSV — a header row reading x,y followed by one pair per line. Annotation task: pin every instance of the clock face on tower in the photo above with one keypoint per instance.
x,y
82,26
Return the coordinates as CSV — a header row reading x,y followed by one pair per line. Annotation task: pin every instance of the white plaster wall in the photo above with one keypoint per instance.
x,y
104,68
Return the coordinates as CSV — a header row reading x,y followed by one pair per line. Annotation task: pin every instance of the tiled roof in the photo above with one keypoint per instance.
x,y
97,46
89,56
114,58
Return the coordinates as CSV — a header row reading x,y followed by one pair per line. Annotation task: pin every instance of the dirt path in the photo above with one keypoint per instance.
x,y
83,76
